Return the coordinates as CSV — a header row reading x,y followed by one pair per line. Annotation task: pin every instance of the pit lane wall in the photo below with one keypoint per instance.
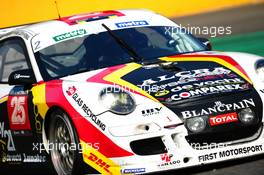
x,y
19,12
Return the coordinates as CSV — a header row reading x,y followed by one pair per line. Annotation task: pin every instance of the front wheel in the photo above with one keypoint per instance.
x,y
65,155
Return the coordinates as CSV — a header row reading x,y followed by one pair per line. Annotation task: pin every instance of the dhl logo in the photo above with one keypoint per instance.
x,y
99,162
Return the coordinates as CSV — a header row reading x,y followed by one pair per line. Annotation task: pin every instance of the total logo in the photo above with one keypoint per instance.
x,y
223,119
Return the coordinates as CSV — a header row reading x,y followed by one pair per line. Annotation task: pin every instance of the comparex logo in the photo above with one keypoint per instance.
x,y
71,34
131,24
208,90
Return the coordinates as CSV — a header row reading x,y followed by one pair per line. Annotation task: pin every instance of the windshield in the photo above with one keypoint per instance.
x,y
101,50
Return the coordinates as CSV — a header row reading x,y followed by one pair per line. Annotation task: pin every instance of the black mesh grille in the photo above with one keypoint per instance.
x,y
150,146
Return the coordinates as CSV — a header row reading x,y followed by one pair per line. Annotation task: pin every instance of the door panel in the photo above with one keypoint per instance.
x,y
20,124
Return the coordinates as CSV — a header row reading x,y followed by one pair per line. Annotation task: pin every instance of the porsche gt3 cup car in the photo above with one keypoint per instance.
x,y
117,92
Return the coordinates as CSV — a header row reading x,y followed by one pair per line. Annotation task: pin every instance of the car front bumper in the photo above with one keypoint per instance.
x,y
180,154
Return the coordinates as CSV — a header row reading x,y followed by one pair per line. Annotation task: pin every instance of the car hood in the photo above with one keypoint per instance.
x,y
177,79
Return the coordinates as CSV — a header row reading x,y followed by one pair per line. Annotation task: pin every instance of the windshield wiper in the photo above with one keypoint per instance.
x,y
122,43
154,61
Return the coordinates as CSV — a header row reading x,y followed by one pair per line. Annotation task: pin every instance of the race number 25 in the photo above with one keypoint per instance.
x,y
18,113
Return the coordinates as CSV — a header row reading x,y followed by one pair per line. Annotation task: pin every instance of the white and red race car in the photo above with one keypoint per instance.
x,y
124,92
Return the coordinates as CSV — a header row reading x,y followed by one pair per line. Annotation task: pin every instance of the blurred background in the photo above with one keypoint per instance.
x,y
231,25
247,27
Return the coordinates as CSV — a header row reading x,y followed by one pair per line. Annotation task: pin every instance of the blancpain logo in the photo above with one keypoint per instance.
x,y
219,107
219,103
188,76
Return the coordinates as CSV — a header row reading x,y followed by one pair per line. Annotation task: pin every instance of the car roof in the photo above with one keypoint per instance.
x,y
90,23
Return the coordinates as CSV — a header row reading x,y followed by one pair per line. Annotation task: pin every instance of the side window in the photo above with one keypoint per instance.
x,y
13,57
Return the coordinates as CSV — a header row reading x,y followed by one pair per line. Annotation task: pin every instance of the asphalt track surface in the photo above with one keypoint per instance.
x,y
247,35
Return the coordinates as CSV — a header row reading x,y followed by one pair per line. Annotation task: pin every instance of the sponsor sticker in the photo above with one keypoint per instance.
x,y
134,170
219,107
207,91
72,92
25,158
188,76
230,153
152,111
132,24
18,112
103,165
223,119
13,158
166,157
7,135
167,160
72,34
162,93
204,84
34,158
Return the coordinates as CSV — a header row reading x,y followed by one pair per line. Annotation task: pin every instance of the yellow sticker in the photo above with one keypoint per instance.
x,y
162,93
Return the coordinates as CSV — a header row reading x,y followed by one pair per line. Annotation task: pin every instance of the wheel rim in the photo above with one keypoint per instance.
x,y
63,157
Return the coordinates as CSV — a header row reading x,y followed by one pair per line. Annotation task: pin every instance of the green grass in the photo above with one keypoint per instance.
x,y
250,43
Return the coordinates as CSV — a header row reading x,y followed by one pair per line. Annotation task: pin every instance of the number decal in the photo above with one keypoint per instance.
x,y
36,45
18,115
18,112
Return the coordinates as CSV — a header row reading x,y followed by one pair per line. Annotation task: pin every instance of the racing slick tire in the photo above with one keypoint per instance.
x,y
62,136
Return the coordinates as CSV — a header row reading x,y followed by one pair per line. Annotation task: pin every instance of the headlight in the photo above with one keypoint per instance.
x,y
260,69
246,116
196,124
117,100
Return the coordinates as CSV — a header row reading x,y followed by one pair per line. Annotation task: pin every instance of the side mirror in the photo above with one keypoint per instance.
x,y
206,42
22,77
